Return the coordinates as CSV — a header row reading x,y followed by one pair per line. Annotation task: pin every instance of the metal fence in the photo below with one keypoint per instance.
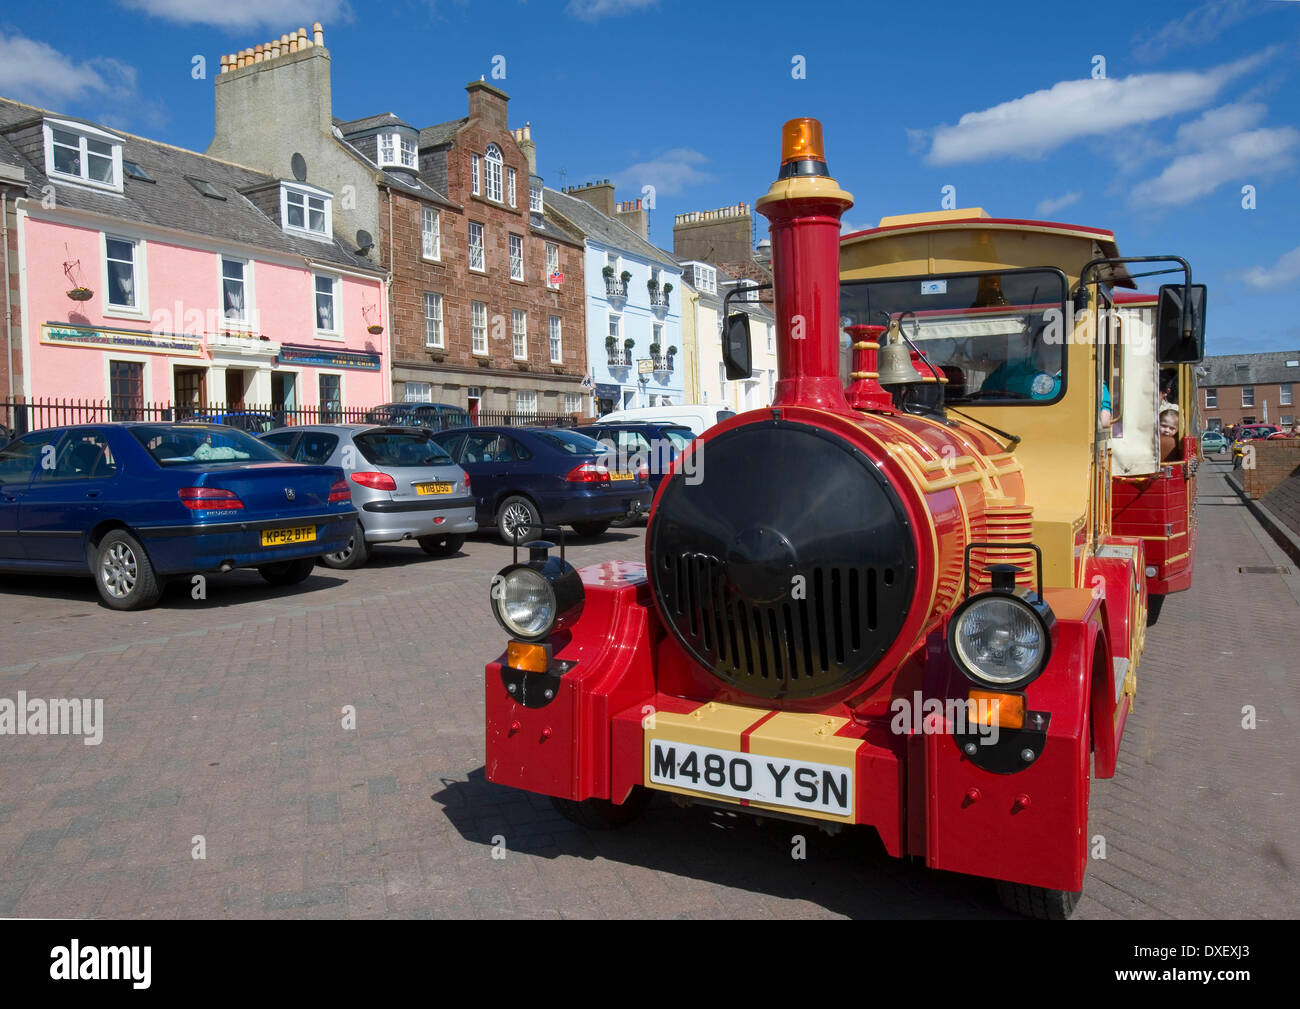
x,y
21,416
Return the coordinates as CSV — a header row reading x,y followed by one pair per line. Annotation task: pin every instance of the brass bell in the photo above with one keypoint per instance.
x,y
895,362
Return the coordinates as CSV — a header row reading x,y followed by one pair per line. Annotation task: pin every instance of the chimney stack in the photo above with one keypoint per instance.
x,y
264,52
599,194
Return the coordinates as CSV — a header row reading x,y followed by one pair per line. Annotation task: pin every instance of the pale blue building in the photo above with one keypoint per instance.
x,y
633,297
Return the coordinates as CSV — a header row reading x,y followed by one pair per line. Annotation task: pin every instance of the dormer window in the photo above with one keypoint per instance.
x,y
706,279
535,195
492,175
306,210
395,149
80,153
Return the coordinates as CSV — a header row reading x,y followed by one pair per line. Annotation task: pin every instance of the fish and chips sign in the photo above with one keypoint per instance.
x,y
100,338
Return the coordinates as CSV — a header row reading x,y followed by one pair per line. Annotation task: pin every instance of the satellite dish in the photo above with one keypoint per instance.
x,y
299,164
364,240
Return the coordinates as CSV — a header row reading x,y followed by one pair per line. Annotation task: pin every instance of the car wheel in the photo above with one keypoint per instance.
x,y
288,572
356,553
602,814
1038,902
517,520
441,546
123,574
590,528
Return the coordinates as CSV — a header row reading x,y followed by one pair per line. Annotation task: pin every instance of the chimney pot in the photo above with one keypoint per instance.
x,y
257,54
318,33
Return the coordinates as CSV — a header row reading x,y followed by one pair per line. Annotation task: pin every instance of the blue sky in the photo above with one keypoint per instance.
x,y
999,100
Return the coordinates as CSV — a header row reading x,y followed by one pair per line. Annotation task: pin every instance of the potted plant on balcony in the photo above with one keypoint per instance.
x,y
607,272
654,349
668,289
625,276
672,352
652,285
611,343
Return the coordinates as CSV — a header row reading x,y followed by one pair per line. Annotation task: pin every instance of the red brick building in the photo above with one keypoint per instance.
x,y
1250,388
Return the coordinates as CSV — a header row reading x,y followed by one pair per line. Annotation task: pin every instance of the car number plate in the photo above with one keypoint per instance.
x,y
619,476
776,781
284,537
433,488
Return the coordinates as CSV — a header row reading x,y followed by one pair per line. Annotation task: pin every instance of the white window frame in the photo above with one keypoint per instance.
x,y
307,193
437,338
477,330
1212,397
536,201
1243,395
250,313
552,264
492,165
84,133
337,295
526,402
557,339
386,149
427,388
617,320
519,334
343,391
1286,394
573,402
517,259
475,175
482,247
146,379
431,237
139,277
511,176
706,278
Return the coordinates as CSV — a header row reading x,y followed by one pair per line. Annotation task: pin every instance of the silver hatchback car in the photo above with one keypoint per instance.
x,y
404,486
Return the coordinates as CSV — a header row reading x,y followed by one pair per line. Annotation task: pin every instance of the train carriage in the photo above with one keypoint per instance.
x,y
897,601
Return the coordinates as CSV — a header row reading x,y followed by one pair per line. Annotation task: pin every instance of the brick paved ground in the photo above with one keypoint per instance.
x,y
223,720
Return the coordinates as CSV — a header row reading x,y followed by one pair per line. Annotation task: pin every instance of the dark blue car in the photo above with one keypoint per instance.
x,y
524,477
135,503
655,444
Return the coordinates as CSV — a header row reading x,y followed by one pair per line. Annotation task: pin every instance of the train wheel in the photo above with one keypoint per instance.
x,y
602,814
1038,902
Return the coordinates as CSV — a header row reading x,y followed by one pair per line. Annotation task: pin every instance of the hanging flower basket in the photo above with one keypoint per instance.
x,y
374,330
81,294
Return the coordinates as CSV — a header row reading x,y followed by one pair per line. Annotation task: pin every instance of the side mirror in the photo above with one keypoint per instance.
x,y
1173,318
736,353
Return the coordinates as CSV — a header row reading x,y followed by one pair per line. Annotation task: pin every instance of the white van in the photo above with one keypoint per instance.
x,y
698,417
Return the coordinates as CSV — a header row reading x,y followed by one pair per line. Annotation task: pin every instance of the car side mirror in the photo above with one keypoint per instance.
x,y
1180,329
736,353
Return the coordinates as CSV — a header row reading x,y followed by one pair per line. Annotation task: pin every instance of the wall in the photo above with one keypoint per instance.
x,y
1276,460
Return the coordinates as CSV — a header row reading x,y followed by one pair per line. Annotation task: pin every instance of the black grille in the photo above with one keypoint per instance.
x,y
787,569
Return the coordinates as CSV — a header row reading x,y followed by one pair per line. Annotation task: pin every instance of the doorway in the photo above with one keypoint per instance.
x,y
235,387
284,394
191,385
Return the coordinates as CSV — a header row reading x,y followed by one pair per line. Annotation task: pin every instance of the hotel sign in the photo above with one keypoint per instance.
x,y
100,338
323,357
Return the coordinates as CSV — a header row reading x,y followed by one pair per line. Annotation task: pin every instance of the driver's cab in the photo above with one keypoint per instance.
x,y
992,309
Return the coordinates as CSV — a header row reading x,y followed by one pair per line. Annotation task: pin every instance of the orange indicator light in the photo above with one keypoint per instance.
x,y
525,657
1006,710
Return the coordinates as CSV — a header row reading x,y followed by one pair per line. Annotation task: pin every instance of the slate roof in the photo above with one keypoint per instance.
x,y
1251,369
170,201
441,133
370,123
592,224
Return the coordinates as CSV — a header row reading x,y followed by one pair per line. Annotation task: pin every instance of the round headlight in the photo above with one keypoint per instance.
x,y
999,639
524,602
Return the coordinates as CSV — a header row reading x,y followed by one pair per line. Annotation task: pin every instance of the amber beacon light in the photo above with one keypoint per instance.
x,y
802,149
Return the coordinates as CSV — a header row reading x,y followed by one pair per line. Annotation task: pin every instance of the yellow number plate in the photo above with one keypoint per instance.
x,y
284,537
433,488
619,476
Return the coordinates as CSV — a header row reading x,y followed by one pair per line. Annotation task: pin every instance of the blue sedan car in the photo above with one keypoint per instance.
x,y
524,477
135,503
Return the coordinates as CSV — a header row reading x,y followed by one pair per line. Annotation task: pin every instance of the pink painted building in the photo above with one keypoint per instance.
x,y
151,275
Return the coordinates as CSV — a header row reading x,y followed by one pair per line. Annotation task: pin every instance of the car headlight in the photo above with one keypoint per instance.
x,y
533,599
1001,639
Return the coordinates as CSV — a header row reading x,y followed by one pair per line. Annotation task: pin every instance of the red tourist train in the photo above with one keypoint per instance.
x,y
900,602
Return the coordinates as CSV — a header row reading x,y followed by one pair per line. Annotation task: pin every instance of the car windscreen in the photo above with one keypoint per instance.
x,y
178,445
995,337
573,442
679,436
400,448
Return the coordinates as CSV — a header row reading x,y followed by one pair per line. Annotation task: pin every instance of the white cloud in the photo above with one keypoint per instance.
x,y
1284,272
594,10
1242,157
1198,26
848,228
669,173
282,15
36,72
1038,123
1052,204
1216,124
